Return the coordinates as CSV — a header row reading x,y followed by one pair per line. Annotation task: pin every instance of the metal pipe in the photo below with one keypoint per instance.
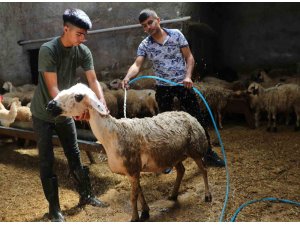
x,y
22,42
30,135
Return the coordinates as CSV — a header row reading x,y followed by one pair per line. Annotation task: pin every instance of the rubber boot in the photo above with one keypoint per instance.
x,y
212,159
50,188
84,187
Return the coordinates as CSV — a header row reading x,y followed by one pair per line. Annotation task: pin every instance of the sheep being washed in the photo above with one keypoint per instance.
x,y
139,145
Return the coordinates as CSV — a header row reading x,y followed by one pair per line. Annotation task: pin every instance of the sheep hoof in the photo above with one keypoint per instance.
x,y
173,198
134,220
274,129
297,128
269,129
208,198
144,216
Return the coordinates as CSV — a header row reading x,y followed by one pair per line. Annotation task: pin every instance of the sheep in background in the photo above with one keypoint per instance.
x,y
7,117
25,98
23,114
103,86
217,98
240,84
8,86
139,145
115,84
139,103
7,100
266,81
112,103
297,111
283,98
138,85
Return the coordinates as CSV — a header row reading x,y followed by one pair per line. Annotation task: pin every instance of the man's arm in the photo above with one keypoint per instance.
x,y
133,70
94,85
50,79
190,62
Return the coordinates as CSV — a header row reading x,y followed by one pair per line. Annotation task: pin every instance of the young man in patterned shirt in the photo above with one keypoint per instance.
x,y
172,59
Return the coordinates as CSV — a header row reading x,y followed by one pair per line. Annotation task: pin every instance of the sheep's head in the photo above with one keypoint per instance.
x,y
7,86
254,89
74,101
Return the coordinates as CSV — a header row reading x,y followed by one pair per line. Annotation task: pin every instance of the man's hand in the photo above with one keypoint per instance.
x,y
187,82
124,83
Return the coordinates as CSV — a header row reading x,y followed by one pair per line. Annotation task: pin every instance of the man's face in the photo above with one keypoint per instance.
x,y
75,35
151,25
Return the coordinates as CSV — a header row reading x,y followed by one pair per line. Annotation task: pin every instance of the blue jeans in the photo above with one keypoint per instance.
x,y
67,134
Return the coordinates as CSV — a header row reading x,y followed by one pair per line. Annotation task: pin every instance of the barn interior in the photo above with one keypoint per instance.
x,y
233,44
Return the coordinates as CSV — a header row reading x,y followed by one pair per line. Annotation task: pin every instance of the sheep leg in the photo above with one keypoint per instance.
x,y
134,181
274,122
269,121
203,170
287,118
297,128
180,172
220,119
145,208
256,117
91,157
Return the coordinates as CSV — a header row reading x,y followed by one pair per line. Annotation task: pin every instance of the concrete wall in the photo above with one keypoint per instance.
x,y
242,36
259,34
14,60
112,51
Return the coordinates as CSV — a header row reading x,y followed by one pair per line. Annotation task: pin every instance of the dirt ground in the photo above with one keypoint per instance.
x,y
261,164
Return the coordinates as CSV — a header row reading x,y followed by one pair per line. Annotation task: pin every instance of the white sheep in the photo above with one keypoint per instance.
x,y
7,117
139,145
282,98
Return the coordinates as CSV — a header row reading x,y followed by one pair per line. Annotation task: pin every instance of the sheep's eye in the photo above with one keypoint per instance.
x,y
78,97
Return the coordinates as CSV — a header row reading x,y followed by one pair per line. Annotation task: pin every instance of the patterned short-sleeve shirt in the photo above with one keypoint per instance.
x,y
167,58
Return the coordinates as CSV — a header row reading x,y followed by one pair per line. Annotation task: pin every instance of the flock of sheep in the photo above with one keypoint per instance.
x,y
264,95
15,103
274,96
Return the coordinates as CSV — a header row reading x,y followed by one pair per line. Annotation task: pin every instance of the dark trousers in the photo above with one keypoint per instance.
x,y
188,102
67,134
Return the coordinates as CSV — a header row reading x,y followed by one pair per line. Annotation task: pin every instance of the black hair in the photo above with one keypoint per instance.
x,y
146,13
78,18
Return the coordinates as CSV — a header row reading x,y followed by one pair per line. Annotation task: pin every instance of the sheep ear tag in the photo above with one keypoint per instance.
x,y
99,106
